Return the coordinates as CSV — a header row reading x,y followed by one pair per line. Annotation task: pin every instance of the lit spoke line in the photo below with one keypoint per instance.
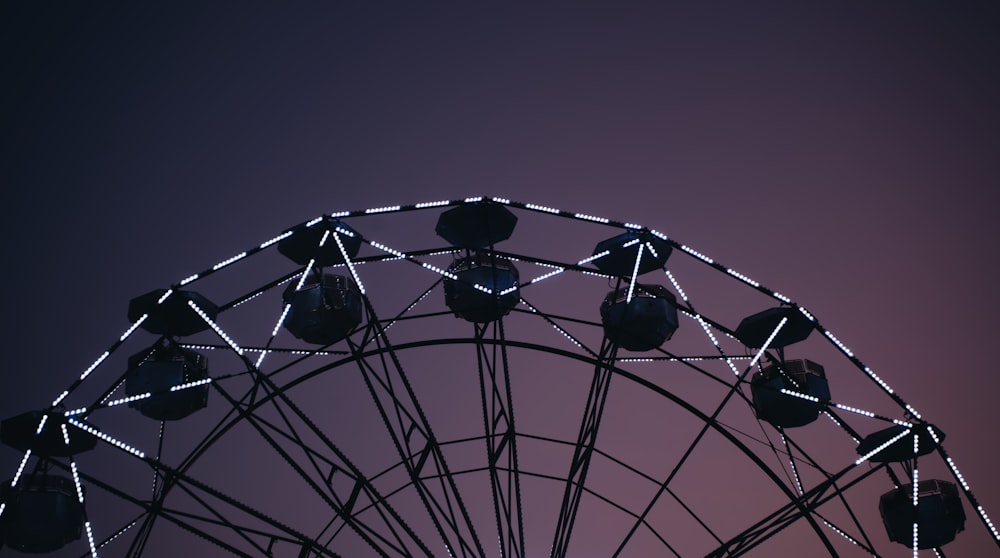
x,y
41,424
791,461
350,264
879,449
133,327
113,441
409,258
216,328
767,343
703,324
20,468
635,273
90,538
916,497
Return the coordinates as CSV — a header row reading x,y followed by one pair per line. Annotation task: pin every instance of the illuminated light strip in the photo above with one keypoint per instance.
x,y
636,360
165,296
75,412
281,320
385,248
382,209
188,279
632,226
474,199
841,533
781,297
658,234
903,423
913,412
423,205
65,433
800,395
76,480
216,327
635,272
479,287
933,434
224,263
20,468
594,257
314,221
551,210
697,254
41,424
554,325
508,290
916,500
958,474
651,249
133,327
350,264
807,314
767,343
882,383
552,273
632,242
504,201
703,324
276,239
59,399
90,537
3,506
191,384
107,438
340,214
341,230
888,443
676,285
986,519
440,271
246,300
586,217
795,470
837,342
855,410
97,363
130,399
742,277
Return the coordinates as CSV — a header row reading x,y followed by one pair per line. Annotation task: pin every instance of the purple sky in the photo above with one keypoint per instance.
x,y
845,155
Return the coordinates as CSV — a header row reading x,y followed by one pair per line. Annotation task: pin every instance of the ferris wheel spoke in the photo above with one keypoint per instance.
x,y
501,439
584,448
414,440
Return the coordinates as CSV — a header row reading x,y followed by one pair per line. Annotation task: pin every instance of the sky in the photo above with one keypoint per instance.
x,y
844,154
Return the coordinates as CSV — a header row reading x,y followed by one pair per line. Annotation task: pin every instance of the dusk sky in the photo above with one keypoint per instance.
x,y
844,154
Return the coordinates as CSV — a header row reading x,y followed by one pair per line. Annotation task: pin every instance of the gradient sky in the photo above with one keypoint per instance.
x,y
846,155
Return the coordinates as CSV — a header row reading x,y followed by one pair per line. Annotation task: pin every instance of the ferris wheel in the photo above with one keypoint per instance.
x,y
478,377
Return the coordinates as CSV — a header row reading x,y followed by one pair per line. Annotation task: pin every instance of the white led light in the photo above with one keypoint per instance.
x,y
933,434
916,535
781,297
65,433
59,399
440,271
224,263
474,199
591,218
508,290
884,385
281,320
742,277
855,410
594,257
107,438
133,327
913,412
278,238
75,412
423,205
129,399
903,423
837,342
216,328
888,443
651,249
841,533
350,264
632,242
958,474
385,248
191,384
314,221
340,214
635,272
552,273
382,209
20,469
90,537
188,279
807,314
41,424
504,201
551,210
3,506
76,480
697,254
767,343
986,519
632,226
97,363
800,395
